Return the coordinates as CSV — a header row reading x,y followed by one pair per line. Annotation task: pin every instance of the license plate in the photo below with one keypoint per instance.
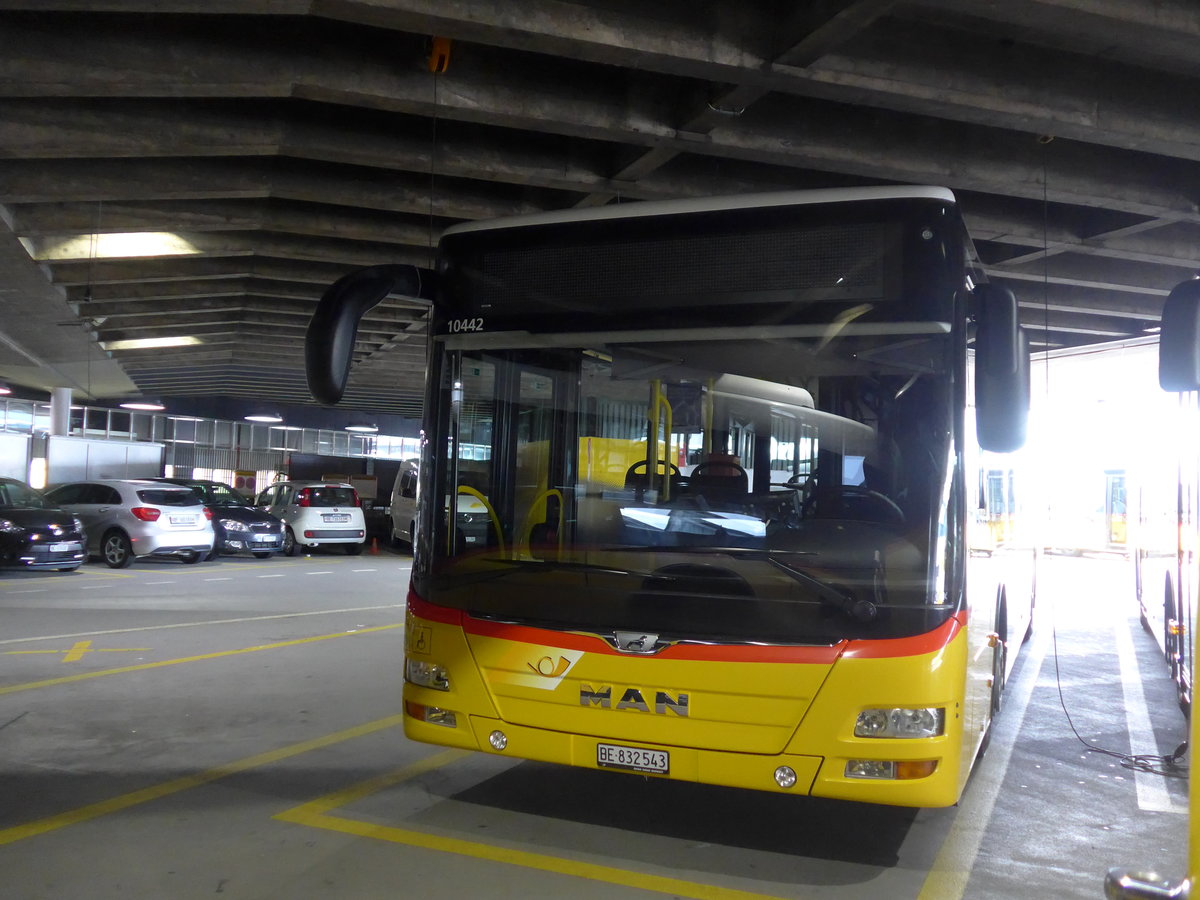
x,y
336,518
182,520
63,546
633,759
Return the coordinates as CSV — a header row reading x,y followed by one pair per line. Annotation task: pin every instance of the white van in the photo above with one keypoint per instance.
x,y
473,518
404,503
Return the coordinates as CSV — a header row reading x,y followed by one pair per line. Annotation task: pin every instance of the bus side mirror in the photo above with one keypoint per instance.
x,y
329,340
1179,339
1001,371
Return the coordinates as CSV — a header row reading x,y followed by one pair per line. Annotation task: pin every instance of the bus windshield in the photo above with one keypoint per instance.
x,y
724,461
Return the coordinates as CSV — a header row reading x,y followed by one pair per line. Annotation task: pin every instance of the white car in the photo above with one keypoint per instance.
x,y
127,519
316,513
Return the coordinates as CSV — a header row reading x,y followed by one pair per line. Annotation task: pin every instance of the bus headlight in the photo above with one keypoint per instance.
x,y
426,674
923,722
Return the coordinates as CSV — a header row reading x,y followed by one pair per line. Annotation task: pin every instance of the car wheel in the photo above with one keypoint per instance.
x,y
354,549
116,550
262,554
289,543
192,557
212,554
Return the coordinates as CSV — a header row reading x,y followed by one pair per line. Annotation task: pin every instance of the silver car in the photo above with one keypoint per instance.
x,y
129,519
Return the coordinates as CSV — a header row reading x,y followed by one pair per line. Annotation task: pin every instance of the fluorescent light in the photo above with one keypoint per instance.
x,y
121,245
269,418
148,343
143,405
363,428
5,389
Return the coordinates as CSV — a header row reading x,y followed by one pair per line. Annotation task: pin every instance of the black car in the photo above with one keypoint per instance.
x,y
239,527
36,535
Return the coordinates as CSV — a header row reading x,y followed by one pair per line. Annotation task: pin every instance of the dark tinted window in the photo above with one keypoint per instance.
x,y
102,493
68,493
167,497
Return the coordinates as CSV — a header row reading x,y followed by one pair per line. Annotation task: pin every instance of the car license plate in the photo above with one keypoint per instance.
x,y
182,520
342,517
63,546
633,759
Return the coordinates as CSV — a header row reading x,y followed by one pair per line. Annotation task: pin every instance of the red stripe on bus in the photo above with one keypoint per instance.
x,y
917,645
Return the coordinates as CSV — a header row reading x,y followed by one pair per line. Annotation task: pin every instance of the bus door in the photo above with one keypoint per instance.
x,y
513,451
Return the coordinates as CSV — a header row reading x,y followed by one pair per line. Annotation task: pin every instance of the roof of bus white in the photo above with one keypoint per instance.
x,y
709,204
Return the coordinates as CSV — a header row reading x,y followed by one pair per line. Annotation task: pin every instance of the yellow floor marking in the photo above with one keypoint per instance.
x,y
154,792
315,814
78,649
67,679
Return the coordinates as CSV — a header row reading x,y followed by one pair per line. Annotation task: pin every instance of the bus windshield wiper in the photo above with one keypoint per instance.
x,y
530,565
858,608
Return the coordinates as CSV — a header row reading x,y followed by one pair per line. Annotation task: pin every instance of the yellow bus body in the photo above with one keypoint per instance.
x,y
746,716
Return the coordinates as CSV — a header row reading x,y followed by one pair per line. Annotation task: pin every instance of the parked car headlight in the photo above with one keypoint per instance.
x,y
234,525
9,527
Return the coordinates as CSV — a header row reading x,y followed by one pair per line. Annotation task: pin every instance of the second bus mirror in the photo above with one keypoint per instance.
x,y
1179,339
1001,371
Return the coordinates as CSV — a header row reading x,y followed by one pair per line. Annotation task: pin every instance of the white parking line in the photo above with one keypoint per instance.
x,y
1152,790
292,615
270,576
218,579
364,570
171,581
323,572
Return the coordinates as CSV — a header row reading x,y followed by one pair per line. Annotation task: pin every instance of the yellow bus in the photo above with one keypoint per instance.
x,y
1167,558
724,451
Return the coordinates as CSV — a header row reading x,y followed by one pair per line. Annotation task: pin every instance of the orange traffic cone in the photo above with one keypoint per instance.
x,y
375,546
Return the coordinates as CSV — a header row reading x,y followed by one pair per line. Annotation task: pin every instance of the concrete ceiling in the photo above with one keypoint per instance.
x,y
280,143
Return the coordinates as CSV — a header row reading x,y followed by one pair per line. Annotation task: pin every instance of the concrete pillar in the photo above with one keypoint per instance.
x,y
60,411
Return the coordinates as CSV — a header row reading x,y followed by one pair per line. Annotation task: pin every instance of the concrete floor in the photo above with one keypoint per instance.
x,y
231,728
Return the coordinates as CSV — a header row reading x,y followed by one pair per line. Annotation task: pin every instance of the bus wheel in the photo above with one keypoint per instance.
x,y
1170,639
999,657
999,663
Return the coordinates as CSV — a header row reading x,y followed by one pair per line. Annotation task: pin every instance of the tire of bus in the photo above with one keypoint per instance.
x,y
999,661
1000,655
1170,640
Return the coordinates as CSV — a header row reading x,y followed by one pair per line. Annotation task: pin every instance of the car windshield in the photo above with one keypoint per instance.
x,y
168,497
217,494
14,494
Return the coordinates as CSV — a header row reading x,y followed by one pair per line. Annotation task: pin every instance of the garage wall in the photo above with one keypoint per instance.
x,y
75,459
14,456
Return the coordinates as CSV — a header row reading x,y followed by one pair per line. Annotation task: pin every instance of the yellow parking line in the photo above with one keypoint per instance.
x,y
116,804
67,679
315,814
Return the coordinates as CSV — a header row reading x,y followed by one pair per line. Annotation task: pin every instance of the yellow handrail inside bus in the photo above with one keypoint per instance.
x,y
467,489
526,535
659,415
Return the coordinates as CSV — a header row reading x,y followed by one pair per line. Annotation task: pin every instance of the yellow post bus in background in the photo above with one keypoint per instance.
x,y
731,480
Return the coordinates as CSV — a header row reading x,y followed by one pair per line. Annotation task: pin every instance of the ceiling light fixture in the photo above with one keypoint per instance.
x,y
150,343
363,428
143,405
5,389
265,418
